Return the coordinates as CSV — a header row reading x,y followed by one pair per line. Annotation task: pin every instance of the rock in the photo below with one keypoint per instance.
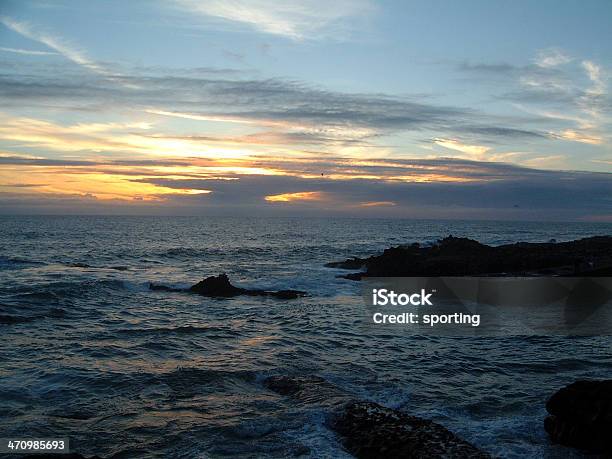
x,y
221,287
454,256
351,263
216,286
369,430
581,416
352,276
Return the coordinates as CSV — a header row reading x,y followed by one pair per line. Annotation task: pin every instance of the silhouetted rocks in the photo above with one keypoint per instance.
x,y
369,430
454,256
581,416
221,287
216,286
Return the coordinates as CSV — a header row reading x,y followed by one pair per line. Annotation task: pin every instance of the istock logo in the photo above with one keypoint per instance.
x,y
383,297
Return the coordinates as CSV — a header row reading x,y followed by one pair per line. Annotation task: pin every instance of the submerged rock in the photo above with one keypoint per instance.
x,y
454,256
221,287
581,416
370,430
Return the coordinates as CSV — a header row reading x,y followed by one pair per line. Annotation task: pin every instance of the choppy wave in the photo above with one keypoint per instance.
x,y
89,266
17,263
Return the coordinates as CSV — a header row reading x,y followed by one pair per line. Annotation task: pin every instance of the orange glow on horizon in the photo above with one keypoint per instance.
x,y
300,196
377,204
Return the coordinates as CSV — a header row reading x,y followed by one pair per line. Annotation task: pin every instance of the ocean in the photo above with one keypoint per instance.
x,y
90,353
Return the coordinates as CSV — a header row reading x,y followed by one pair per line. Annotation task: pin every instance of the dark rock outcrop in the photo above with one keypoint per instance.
x,y
216,286
581,416
369,430
454,256
221,287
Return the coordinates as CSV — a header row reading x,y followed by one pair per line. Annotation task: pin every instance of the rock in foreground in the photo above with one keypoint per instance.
x,y
369,430
221,287
454,256
581,416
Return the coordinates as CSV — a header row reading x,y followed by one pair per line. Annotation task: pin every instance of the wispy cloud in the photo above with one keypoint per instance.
x,y
474,151
27,52
377,204
280,115
294,19
578,136
552,57
61,46
594,96
554,88
299,196
595,74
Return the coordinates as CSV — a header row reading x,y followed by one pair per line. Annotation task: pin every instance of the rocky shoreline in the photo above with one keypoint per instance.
x,y
580,415
454,256
369,430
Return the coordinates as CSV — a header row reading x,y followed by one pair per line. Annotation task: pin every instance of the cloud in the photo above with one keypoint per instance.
x,y
377,204
298,196
577,136
289,112
474,151
553,88
427,188
545,161
64,48
593,100
76,137
294,19
552,57
288,116
595,75
28,52
37,161
68,51
502,191
497,131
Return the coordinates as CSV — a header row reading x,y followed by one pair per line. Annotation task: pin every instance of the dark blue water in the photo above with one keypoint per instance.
x,y
88,352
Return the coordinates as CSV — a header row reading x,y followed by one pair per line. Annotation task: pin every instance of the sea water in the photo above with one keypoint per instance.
x,y
90,353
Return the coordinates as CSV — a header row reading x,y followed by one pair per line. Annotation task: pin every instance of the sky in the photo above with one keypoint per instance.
x,y
416,109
